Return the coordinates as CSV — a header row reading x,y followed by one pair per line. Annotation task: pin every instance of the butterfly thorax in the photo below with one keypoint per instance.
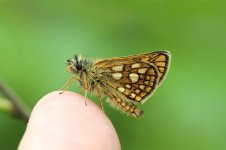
x,y
81,68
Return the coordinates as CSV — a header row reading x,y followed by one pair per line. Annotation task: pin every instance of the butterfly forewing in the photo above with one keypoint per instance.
x,y
134,77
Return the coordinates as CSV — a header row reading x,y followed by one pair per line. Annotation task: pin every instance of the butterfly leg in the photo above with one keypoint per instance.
x,y
67,84
86,89
99,98
86,96
81,91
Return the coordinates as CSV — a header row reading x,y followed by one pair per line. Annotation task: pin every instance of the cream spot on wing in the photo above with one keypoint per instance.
x,y
142,87
151,84
117,68
161,69
128,86
138,98
152,72
146,82
127,107
127,92
142,94
137,91
142,70
134,77
147,89
136,65
119,100
121,89
132,109
117,76
123,104
133,95
152,78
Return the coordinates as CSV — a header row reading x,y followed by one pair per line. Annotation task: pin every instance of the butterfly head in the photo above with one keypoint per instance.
x,y
77,64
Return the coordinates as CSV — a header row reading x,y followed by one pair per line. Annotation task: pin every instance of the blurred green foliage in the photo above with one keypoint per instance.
x,y
187,111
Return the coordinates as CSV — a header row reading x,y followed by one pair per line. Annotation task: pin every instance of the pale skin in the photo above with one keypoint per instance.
x,y
63,121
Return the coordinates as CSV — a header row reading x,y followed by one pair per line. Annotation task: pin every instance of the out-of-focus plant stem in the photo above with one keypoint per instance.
x,y
12,104
5,106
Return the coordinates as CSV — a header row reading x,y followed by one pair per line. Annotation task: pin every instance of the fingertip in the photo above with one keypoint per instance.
x,y
64,121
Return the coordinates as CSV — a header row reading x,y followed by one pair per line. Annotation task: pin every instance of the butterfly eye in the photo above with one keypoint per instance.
x,y
79,66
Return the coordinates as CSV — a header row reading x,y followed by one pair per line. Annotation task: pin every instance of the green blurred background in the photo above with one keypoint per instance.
x,y
186,113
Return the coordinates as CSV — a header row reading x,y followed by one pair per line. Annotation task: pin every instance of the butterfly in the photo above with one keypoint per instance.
x,y
125,81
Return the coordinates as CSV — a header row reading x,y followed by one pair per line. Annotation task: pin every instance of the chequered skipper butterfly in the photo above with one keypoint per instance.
x,y
126,81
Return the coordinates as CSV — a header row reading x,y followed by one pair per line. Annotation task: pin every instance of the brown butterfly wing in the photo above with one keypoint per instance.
x,y
133,77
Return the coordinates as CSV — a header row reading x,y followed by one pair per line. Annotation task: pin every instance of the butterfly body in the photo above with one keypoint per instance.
x,y
125,81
